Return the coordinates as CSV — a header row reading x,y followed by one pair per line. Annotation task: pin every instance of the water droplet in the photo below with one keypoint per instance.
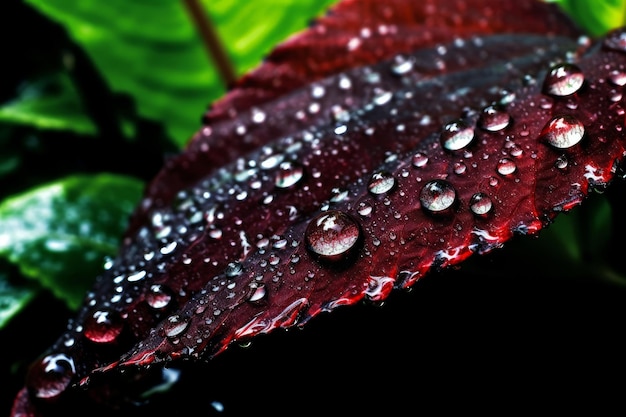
x,y
480,204
460,168
618,78
456,135
494,118
51,376
561,162
175,325
563,132
419,160
383,97
257,293
365,209
381,182
332,235
158,297
563,80
289,173
233,269
103,326
506,166
437,196
401,65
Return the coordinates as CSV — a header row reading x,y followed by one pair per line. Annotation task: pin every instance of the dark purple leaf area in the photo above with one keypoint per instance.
x,y
389,141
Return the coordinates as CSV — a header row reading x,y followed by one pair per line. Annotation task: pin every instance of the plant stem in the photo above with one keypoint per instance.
x,y
211,42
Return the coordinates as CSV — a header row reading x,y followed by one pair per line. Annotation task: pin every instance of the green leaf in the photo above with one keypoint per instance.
x,y
60,233
49,103
13,298
596,17
151,50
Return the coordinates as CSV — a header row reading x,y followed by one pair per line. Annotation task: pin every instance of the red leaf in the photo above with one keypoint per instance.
x,y
364,180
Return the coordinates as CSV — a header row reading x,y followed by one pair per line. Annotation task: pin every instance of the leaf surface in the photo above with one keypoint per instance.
x,y
353,185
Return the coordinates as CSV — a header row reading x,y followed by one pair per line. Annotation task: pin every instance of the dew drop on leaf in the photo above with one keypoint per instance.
x,y
103,326
289,173
51,375
456,135
494,118
480,204
332,235
381,182
175,325
618,78
506,166
158,297
563,80
563,131
437,196
419,160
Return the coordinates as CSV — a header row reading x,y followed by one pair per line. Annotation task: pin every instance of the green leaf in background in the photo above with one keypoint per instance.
x,y
59,233
49,103
150,49
596,16
12,298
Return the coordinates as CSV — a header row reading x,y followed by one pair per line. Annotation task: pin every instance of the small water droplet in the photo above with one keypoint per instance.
x,y
289,173
456,135
506,166
175,325
460,168
103,326
365,209
158,297
437,196
563,132
401,65
258,293
561,162
381,182
419,160
494,118
51,376
332,236
563,79
233,269
480,204
617,78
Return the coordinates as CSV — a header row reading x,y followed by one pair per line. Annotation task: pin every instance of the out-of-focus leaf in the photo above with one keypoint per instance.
x,y
150,49
49,103
598,16
60,232
12,298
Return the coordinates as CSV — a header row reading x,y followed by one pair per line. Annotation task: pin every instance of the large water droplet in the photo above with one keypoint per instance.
x,y
288,174
381,182
480,204
103,326
456,135
332,235
563,132
563,80
437,196
50,376
494,118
